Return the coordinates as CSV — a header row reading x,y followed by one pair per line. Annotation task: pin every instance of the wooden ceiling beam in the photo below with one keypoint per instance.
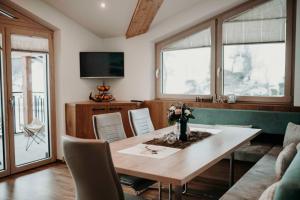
x,y
143,16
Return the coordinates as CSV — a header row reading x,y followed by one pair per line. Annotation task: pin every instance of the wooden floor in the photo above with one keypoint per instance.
x,y
53,182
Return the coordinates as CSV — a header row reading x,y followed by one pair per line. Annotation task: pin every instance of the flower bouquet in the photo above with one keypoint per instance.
x,y
181,114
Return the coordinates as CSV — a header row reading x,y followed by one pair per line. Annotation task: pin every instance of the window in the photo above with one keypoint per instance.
x,y
254,51
186,65
250,48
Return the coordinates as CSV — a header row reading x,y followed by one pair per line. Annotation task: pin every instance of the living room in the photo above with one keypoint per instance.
x,y
219,79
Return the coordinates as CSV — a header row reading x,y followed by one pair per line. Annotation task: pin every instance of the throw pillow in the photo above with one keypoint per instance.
x,y
284,159
269,193
292,134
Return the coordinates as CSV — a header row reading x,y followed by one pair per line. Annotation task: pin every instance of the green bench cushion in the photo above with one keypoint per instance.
x,y
289,186
271,122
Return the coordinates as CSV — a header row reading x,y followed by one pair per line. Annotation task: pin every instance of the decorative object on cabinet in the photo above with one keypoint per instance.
x,y
104,95
231,98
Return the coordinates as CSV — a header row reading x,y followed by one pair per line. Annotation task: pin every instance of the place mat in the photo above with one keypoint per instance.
x,y
195,136
151,151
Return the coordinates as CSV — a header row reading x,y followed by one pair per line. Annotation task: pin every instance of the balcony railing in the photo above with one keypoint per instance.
x,y
38,109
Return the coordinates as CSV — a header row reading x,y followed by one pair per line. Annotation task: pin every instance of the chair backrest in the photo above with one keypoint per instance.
x,y
140,121
92,168
109,127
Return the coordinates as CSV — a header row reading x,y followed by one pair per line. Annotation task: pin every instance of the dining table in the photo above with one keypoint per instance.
x,y
176,167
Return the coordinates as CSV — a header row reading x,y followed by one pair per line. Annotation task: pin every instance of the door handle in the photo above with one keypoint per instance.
x,y
11,101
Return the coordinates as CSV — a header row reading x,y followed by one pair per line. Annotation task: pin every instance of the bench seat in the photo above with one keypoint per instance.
x,y
252,152
256,180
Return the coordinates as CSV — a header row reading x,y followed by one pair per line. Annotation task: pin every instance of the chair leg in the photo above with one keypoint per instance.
x,y
185,187
28,145
170,192
159,191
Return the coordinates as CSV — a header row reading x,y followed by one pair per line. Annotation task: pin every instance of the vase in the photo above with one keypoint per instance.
x,y
183,130
176,129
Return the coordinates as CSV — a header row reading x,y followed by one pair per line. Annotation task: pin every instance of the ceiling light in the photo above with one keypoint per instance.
x,y
102,4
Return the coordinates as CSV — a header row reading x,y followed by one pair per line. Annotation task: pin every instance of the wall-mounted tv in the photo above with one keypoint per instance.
x,y
101,64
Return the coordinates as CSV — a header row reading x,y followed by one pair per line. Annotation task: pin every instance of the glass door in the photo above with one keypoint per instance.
x,y
4,164
28,91
2,148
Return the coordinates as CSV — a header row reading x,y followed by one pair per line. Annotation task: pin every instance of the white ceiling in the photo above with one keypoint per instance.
x,y
114,19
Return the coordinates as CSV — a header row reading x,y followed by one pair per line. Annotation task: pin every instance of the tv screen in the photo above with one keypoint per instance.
x,y
101,64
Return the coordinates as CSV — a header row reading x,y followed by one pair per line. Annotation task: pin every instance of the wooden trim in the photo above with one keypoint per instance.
x,y
52,97
8,95
5,106
23,19
158,47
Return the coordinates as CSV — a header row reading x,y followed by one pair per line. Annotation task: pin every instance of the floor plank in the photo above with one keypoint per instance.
x,y
54,182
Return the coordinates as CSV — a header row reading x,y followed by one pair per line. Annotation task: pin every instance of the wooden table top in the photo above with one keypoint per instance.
x,y
184,165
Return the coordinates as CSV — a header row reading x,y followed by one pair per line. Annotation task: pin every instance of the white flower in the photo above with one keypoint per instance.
x,y
187,112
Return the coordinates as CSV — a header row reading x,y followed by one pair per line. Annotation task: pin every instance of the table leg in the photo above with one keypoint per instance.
x,y
178,192
231,170
170,192
159,191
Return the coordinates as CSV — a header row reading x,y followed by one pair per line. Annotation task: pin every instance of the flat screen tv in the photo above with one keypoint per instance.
x,y
101,64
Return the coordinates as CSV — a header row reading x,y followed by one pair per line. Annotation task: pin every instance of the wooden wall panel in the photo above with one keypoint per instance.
x,y
159,108
143,16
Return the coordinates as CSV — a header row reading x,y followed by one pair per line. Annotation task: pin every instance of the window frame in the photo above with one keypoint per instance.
x,y
287,98
217,77
158,54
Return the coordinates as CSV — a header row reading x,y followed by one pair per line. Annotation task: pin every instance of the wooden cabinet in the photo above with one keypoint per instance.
x,y
79,116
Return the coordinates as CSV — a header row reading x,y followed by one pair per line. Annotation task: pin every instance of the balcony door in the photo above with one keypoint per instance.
x,y
27,96
29,116
26,139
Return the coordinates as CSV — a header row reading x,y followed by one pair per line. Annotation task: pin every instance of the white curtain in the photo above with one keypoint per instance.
x,y
196,40
264,23
21,42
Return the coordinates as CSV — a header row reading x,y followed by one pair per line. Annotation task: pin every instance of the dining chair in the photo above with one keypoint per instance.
x,y
94,176
109,127
140,121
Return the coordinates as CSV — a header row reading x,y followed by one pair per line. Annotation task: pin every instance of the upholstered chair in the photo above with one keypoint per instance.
x,y
109,127
140,121
94,176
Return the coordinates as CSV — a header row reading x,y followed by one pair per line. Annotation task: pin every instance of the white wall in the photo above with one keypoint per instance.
x,y
297,57
139,81
69,39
